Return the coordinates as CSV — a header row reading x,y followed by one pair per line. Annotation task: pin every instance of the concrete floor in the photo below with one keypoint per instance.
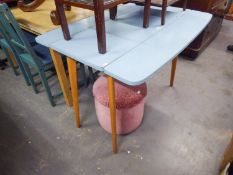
x,y
184,132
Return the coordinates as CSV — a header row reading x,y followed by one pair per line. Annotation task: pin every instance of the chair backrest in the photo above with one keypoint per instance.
x,y
10,46
11,30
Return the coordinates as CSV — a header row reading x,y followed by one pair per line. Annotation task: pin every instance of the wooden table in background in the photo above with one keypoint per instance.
x,y
39,22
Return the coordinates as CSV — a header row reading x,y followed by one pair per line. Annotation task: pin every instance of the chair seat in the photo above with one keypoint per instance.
x,y
90,5
30,37
44,53
41,51
157,2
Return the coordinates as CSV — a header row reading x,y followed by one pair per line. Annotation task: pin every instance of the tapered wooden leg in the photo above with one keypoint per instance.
x,y
62,19
58,64
111,94
100,25
173,71
74,88
147,10
113,13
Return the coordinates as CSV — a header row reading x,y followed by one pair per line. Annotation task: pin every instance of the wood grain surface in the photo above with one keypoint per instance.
x,y
39,22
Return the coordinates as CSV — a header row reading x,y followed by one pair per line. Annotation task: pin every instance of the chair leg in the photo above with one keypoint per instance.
x,y
91,75
185,5
46,86
112,105
173,71
62,18
73,74
27,69
163,13
147,11
7,55
83,72
113,13
100,25
12,59
22,69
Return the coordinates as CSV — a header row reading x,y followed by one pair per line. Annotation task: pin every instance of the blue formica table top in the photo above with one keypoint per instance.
x,y
133,53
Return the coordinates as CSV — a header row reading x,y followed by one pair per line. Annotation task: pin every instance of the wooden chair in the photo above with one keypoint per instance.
x,y
37,57
12,56
98,6
159,3
28,7
8,54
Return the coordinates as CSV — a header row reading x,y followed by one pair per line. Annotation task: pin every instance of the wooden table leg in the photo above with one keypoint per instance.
x,y
111,94
173,71
57,60
74,88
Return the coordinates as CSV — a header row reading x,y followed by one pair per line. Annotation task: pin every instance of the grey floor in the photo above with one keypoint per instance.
x,y
184,132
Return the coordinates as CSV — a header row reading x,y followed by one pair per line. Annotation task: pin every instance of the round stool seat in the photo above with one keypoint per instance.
x,y
129,105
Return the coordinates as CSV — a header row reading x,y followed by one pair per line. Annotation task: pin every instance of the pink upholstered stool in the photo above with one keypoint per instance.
x,y
129,105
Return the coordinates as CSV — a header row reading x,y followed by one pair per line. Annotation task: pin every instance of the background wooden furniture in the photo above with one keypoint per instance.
x,y
30,6
7,1
39,22
159,3
211,31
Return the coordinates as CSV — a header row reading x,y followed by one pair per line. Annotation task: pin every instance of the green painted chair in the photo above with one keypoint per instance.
x,y
12,59
36,57
7,47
